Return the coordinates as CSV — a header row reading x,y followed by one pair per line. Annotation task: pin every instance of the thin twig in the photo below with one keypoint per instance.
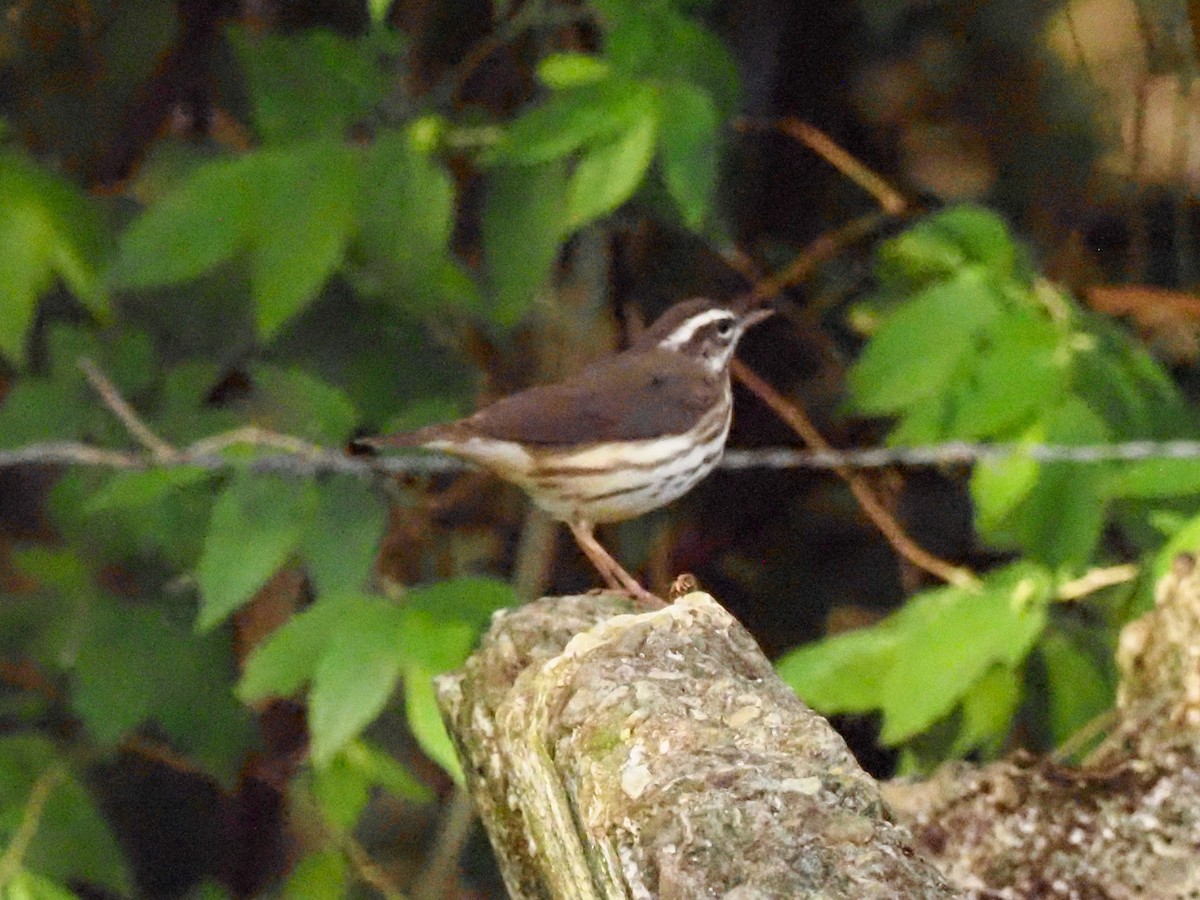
x,y
795,419
530,16
1098,724
31,818
1095,580
890,200
818,251
117,404
454,827
535,554
369,871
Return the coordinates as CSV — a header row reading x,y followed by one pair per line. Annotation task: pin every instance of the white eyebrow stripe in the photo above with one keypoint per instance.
x,y
688,328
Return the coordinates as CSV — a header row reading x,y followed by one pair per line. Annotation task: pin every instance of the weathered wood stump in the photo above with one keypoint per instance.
x,y
658,755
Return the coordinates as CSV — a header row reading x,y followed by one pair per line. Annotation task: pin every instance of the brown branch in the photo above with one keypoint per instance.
x,y
891,200
369,871
795,419
819,250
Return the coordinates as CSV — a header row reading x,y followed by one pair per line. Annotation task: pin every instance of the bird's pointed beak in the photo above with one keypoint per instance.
x,y
755,310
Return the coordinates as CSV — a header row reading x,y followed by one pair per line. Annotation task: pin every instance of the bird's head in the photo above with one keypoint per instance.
x,y
705,330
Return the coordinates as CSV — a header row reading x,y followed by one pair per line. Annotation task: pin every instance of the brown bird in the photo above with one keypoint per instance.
x,y
626,435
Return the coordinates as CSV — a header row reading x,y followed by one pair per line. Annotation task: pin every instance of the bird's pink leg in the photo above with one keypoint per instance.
x,y
612,572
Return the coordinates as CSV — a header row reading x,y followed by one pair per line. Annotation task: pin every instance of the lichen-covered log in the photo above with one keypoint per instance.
x,y
1125,824
658,755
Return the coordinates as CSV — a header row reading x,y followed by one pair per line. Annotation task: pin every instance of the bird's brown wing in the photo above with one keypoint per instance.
x,y
628,396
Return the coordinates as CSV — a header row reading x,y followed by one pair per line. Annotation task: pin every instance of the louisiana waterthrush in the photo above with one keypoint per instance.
x,y
628,434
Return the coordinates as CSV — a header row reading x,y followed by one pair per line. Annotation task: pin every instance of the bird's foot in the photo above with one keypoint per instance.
x,y
685,583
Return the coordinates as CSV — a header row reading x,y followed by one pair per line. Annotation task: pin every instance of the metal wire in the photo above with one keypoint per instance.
x,y
322,461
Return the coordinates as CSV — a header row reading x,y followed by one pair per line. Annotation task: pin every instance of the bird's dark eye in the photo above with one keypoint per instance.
x,y
725,328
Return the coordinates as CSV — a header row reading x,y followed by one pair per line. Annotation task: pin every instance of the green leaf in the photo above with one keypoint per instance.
x,y
844,673
201,222
342,542
117,671
341,791
312,82
383,770
288,658
524,222
574,119
1019,372
406,214
960,636
609,173
305,211
987,711
135,490
72,841
1063,516
468,599
998,488
42,409
688,143
437,644
1079,680
47,229
981,235
355,676
1156,479
318,876
652,41
940,246
922,344
562,71
300,404
26,885
134,667
425,720
256,524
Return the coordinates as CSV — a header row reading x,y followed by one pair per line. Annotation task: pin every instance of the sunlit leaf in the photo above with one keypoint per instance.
x,y
844,672
609,173
318,876
48,229
571,70
688,136
573,119
952,648
425,720
922,344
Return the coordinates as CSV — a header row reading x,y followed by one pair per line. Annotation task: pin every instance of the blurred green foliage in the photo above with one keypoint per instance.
x,y
315,256
968,343
321,269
